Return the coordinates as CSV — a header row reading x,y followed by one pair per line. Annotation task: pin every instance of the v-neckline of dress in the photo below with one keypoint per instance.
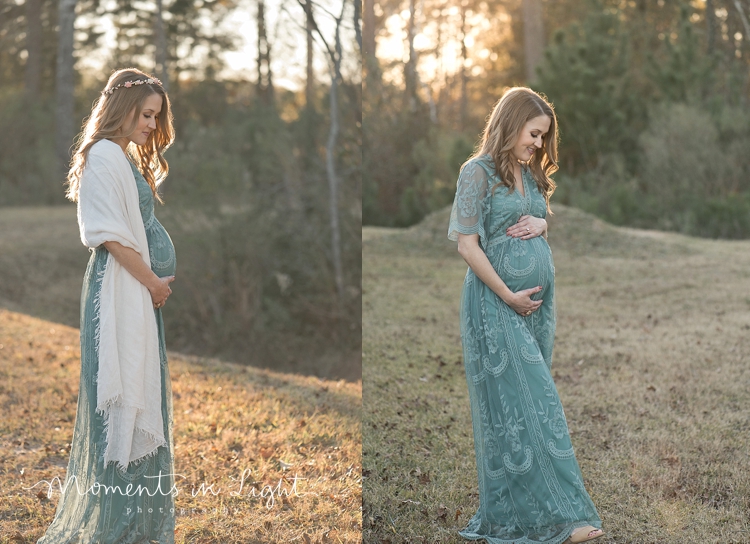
x,y
523,185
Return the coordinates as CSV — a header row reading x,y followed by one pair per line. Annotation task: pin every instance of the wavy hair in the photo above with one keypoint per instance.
x,y
117,113
516,107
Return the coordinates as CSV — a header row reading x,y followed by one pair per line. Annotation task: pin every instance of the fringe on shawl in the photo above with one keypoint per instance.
x,y
152,453
97,309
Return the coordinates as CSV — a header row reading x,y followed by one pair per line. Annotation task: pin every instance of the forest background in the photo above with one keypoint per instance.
x,y
651,98
264,190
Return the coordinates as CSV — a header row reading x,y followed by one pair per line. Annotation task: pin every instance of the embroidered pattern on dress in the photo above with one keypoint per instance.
x,y
467,199
140,470
529,358
524,467
513,427
559,454
499,369
519,273
498,474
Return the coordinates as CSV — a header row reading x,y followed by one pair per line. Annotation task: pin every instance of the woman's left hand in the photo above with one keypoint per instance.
x,y
527,227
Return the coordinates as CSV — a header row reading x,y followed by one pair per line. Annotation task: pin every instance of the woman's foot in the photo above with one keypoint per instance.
x,y
584,534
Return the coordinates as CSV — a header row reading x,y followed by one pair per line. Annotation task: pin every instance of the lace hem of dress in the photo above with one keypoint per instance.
x,y
513,535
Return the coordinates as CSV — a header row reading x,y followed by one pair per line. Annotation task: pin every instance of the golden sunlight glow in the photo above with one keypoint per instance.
x,y
437,43
288,54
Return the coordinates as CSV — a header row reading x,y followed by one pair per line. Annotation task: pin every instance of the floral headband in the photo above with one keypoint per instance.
x,y
128,84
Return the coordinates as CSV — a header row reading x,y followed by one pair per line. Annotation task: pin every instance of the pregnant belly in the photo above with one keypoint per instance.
x,y
524,264
161,250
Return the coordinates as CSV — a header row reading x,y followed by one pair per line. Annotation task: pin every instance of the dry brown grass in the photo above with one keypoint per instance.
x,y
651,362
227,418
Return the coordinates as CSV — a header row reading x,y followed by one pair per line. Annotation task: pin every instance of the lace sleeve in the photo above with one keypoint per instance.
x,y
468,213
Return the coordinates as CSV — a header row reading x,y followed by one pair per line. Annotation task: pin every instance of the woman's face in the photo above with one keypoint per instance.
x,y
530,138
146,120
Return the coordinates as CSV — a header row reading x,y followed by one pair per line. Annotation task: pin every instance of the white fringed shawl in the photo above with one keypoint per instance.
x,y
129,376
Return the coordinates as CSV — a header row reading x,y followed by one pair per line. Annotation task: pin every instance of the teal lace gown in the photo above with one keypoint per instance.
x,y
530,485
96,506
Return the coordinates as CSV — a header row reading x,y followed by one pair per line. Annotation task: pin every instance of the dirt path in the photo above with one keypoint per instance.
x,y
651,361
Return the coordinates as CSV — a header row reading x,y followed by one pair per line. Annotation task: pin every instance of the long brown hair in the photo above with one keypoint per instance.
x,y
516,107
109,116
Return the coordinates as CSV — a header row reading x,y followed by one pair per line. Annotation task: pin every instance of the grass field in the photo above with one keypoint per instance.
x,y
651,362
227,419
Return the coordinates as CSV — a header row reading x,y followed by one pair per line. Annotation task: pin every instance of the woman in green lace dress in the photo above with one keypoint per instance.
x,y
530,486
106,501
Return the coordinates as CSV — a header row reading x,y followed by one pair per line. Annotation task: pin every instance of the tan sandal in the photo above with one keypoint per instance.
x,y
584,534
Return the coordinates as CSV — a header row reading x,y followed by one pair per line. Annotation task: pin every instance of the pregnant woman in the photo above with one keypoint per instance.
x,y
530,485
120,481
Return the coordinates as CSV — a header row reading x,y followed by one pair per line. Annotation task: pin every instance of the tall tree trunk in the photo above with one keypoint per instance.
x,y
410,70
333,179
65,84
368,41
333,184
309,26
265,79
439,61
464,100
357,26
745,22
710,27
533,36
160,41
33,48
334,58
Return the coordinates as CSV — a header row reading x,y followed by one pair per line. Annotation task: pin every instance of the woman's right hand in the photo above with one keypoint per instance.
x,y
521,301
160,291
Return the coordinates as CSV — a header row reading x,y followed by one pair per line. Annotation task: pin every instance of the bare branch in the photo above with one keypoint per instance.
x,y
741,11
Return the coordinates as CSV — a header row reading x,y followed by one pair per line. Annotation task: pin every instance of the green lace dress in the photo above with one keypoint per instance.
x,y
88,512
530,485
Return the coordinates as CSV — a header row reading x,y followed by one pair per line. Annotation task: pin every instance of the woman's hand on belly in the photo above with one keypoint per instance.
x,y
476,258
161,291
131,260
528,227
521,302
